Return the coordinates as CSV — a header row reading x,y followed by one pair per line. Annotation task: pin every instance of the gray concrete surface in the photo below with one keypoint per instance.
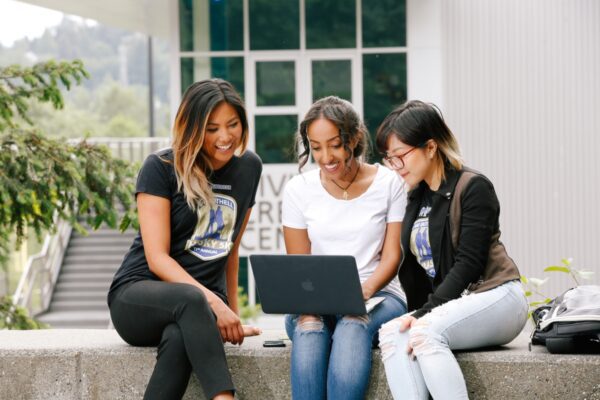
x,y
97,364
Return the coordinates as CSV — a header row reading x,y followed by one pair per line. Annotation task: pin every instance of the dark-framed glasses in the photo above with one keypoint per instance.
x,y
397,162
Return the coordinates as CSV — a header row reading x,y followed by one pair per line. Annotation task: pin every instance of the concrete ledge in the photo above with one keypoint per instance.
x,y
97,364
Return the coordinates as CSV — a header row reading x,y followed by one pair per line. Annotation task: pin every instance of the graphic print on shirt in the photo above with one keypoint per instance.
x,y
419,241
213,234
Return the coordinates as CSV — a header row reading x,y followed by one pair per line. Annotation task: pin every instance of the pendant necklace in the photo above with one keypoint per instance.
x,y
345,189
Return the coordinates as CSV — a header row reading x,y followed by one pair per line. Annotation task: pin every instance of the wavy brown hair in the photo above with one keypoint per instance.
x,y
343,115
192,166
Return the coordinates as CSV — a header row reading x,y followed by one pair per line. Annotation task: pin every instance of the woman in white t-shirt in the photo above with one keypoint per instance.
x,y
344,207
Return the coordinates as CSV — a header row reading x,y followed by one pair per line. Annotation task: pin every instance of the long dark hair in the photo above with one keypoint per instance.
x,y
191,165
414,123
343,115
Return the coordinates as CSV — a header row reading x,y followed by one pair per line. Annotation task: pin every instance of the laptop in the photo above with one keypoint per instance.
x,y
309,284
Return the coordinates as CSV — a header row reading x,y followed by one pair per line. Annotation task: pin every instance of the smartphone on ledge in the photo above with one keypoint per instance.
x,y
273,343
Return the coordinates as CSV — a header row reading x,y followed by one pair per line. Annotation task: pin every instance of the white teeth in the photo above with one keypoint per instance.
x,y
227,147
331,167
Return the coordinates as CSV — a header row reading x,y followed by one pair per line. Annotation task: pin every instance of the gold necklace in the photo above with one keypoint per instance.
x,y
345,189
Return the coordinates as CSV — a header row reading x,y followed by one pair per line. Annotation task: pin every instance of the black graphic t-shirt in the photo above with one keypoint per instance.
x,y
200,239
420,245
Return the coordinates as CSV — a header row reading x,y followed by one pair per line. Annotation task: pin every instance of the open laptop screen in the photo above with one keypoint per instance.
x,y
308,284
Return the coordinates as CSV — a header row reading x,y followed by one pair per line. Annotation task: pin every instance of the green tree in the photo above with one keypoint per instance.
x,y
15,317
41,177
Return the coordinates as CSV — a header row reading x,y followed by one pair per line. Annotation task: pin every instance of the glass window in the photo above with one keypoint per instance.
x,y
275,83
211,25
332,77
229,68
330,24
384,86
275,135
274,24
243,273
384,23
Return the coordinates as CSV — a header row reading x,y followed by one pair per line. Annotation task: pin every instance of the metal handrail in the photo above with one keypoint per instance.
x,y
41,272
38,280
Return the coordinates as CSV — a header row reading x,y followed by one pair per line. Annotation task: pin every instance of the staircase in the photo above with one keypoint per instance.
x,y
79,298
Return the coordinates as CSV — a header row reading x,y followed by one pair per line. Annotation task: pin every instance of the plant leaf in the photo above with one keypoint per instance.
x,y
586,275
557,268
567,261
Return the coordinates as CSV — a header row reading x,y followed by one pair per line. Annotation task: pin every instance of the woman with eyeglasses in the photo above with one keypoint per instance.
x,y
463,293
350,207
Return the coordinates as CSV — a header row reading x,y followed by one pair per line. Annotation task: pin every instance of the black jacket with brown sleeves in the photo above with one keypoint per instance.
x,y
479,261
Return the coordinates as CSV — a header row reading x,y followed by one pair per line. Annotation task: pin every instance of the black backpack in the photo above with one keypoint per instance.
x,y
570,323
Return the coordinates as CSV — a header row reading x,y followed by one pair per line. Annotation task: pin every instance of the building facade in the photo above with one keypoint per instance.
x,y
516,80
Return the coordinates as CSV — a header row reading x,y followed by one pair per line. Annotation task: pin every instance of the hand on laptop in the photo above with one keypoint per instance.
x,y
367,292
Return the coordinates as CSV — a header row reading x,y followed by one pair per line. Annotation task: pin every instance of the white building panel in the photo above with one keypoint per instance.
x,y
522,93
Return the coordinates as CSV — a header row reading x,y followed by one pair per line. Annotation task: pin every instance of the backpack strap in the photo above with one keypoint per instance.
x,y
455,206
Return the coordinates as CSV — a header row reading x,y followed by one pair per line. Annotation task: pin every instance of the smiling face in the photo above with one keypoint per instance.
x,y
223,135
418,162
327,148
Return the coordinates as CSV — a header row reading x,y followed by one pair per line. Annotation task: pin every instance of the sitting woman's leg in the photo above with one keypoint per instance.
x,y
404,375
145,313
311,344
490,318
172,371
353,339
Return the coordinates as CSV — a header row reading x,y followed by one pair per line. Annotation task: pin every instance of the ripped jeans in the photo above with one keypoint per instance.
x,y
490,318
331,356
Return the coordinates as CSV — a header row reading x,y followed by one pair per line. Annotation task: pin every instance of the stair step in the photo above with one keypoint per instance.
x,y
93,268
78,295
99,250
87,276
120,241
94,258
81,305
76,319
79,286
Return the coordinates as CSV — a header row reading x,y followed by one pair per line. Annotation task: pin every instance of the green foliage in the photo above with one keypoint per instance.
x,y
41,82
533,285
247,312
42,177
15,317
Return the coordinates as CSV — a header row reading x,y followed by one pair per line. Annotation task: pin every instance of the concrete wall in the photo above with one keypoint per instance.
x,y
96,364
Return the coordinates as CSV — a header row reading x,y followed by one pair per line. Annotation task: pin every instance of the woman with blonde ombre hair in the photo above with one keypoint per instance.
x,y
462,288
177,286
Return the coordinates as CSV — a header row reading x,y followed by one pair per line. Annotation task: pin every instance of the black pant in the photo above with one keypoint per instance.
x,y
177,318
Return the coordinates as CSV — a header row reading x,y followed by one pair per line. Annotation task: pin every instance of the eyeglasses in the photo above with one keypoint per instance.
x,y
396,162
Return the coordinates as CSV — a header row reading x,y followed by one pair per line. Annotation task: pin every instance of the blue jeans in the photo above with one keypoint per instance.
x,y
489,318
331,357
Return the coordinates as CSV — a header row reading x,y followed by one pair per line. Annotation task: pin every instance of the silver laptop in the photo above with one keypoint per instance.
x,y
309,284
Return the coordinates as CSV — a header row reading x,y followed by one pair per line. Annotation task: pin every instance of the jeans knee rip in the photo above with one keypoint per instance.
x,y
310,324
387,342
361,319
423,341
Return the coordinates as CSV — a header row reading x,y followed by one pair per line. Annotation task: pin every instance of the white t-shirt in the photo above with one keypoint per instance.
x,y
347,227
